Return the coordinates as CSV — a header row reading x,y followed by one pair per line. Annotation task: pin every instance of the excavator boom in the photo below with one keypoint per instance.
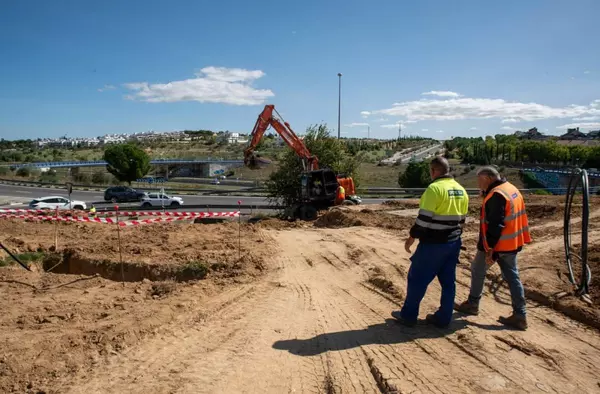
x,y
266,119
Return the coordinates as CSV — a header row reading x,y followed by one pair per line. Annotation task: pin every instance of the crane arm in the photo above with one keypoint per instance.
x,y
266,119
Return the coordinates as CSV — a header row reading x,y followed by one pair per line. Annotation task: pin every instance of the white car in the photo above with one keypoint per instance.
x,y
54,202
161,200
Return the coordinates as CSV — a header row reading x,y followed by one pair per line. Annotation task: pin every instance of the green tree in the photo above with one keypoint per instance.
x,y
415,175
284,184
126,162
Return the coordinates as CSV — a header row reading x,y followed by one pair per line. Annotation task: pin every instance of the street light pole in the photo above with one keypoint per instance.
x,y
368,132
339,102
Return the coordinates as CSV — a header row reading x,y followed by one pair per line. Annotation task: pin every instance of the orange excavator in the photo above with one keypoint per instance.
x,y
319,187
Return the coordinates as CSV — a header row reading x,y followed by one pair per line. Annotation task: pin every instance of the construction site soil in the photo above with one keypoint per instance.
x,y
299,307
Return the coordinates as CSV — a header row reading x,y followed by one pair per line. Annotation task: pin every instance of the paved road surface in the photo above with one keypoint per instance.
x,y
24,194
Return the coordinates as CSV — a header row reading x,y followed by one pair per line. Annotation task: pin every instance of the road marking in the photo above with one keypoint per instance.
x,y
22,192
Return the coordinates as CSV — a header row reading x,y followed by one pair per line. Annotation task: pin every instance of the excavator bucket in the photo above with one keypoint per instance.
x,y
255,162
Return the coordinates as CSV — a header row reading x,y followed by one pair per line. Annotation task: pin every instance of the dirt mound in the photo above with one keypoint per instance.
x,y
337,218
402,204
594,264
279,224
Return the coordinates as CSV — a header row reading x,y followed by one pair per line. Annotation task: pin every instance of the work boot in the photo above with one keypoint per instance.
x,y
516,321
433,320
408,323
467,308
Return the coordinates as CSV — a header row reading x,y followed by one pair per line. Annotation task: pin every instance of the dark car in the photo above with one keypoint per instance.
x,y
123,194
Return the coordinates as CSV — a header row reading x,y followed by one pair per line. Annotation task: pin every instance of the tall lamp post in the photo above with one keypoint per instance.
x,y
339,102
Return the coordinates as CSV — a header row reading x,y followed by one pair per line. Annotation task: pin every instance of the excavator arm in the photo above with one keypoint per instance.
x,y
266,119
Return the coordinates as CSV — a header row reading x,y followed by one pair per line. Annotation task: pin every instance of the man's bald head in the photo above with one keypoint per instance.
x,y
438,167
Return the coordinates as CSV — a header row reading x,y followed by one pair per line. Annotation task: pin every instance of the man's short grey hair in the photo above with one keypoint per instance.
x,y
488,171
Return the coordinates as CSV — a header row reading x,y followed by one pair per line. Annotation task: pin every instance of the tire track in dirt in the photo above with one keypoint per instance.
x,y
534,384
318,328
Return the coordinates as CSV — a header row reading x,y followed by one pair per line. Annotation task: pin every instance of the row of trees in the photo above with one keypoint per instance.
x,y
509,149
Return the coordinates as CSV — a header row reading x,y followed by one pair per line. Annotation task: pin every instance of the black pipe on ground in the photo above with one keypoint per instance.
x,y
579,179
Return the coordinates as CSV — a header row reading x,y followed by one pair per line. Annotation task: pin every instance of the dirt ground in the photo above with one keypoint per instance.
x,y
305,309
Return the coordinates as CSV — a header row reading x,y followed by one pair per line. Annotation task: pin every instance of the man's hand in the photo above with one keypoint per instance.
x,y
488,258
408,243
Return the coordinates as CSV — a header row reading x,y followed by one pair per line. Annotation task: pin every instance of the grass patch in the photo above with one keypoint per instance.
x,y
194,270
26,258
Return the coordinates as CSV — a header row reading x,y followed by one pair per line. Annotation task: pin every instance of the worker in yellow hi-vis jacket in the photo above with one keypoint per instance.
x,y
93,211
442,212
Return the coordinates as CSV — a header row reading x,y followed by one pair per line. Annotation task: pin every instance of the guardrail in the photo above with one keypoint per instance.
x,y
365,191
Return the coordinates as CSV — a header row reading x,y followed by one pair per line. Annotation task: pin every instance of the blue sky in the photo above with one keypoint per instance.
x,y
86,68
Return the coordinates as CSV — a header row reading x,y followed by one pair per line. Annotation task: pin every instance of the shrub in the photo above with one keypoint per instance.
x,y
416,175
194,270
23,172
82,178
49,176
99,178
4,170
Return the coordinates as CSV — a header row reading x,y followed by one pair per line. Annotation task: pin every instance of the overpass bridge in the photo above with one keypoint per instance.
x,y
102,163
206,167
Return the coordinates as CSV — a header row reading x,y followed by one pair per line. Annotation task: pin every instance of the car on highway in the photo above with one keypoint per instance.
x,y
123,194
215,181
54,202
161,200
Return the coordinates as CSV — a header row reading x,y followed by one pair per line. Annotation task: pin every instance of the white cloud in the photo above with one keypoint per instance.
x,y
365,114
424,129
439,131
510,120
587,118
586,72
393,126
107,87
473,128
508,128
409,121
585,125
211,85
357,125
381,120
441,93
484,108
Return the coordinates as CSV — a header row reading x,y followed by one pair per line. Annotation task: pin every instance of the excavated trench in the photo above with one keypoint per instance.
x,y
74,264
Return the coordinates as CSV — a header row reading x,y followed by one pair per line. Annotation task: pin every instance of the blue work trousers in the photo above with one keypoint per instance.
x,y
429,261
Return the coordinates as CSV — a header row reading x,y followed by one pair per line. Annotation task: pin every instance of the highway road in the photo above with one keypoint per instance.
x,y
14,195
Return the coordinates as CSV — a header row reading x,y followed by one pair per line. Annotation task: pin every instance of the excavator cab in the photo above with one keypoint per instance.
x,y
318,190
319,187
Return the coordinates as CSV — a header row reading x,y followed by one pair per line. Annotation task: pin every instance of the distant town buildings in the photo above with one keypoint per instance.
x,y
571,137
232,138
148,136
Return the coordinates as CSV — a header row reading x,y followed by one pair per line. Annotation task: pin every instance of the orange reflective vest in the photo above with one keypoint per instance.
x,y
515,233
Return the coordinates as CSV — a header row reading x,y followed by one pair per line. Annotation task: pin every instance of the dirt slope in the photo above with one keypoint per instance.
x,y
319,323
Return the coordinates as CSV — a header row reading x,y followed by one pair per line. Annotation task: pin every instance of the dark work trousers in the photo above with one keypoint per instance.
x,y
429,261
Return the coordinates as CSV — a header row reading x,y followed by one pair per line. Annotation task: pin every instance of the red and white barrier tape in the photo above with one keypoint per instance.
x,y
124,223
42,212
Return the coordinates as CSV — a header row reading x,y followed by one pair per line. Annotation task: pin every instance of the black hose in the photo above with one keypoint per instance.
x,y
579,178
15,257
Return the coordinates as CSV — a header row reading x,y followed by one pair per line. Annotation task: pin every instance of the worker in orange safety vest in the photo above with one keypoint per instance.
x,y
341,195
504,230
